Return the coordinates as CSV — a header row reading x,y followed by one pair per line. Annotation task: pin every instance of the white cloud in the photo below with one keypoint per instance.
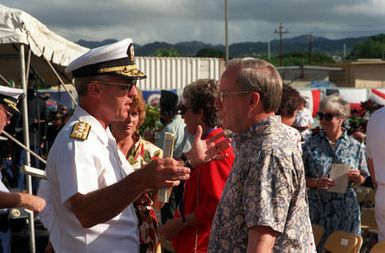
x,y
184,20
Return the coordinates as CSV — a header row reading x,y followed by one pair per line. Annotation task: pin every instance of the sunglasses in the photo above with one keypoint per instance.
x,y
327,116
183,109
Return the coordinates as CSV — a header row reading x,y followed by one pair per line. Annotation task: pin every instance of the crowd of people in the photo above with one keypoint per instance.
x,y
246,174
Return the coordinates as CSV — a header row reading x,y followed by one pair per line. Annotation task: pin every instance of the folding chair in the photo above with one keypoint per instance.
x,y
318,232
378,247
340,241
370,199
368,220
358,246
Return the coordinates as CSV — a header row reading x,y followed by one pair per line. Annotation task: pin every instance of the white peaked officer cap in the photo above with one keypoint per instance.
x,y
9,98
114,59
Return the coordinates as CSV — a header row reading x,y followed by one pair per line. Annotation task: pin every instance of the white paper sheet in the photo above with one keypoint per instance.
x,y
338,175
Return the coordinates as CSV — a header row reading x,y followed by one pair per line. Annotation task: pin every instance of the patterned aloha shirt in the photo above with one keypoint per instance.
x,y
142,153
266,187
333,211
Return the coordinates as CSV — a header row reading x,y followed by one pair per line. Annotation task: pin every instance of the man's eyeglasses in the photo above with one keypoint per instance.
x,y
327,116
123,86
183,109
223,94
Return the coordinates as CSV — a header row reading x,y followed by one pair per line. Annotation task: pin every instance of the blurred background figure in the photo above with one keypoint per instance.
x,y
288,109
332,145
190,229
8,106
37,120
303,119
138,153
173,123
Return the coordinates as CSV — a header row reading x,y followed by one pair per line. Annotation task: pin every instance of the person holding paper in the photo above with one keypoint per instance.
x,y
190,229
91,184
325,154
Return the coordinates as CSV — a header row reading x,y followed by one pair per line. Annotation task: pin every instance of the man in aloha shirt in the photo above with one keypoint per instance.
x,y
263,206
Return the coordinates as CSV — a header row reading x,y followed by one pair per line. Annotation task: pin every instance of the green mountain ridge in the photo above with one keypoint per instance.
x,y
241,49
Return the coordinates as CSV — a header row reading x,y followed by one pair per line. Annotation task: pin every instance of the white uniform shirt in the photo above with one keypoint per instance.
x,y
76,166
375,144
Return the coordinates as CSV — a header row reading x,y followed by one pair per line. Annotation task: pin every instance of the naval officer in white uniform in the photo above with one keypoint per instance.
x,y
91,184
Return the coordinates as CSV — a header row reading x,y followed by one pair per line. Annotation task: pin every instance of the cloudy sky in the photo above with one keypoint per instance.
x,y
203,20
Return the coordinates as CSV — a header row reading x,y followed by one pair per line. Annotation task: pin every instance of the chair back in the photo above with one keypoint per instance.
x,y
368,219
340,241
358,246
378,247
318,232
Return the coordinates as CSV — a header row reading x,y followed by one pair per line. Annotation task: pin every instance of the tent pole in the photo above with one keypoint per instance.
x,y
28,65
61,81
31,223
2,78
23,146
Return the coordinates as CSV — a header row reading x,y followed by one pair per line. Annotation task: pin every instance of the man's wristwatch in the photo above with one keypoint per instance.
x,y
187,162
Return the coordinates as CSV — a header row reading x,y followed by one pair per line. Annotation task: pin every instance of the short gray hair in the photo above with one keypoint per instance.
x,y
334,103
261,76
81,85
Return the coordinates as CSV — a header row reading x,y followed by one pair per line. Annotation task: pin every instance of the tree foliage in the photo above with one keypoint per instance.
x,y
168,52
371,48
210,52
292,59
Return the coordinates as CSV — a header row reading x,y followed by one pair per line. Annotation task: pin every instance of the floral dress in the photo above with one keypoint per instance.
x,y
333,211
142,153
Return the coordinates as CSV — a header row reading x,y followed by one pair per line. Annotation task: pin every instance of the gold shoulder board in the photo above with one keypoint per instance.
x,y
80,130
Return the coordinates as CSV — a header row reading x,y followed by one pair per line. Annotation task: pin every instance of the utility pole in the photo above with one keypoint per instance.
x,y
226,35
310,47
281,31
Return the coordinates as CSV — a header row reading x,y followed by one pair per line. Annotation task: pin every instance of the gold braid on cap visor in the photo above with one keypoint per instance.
x,y
128,70
11,104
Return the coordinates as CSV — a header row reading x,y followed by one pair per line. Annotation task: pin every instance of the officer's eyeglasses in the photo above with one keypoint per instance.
x,y
123,86
223,94
327,116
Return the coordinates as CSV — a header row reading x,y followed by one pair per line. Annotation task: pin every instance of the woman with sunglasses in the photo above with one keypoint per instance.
x,y
332,145
190,229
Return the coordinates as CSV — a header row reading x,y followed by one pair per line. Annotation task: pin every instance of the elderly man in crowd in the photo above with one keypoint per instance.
x,y
376,161
8,102
263,207
92,186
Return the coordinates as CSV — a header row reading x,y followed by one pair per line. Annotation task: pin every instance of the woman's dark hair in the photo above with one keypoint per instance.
x,y
290,101
201,95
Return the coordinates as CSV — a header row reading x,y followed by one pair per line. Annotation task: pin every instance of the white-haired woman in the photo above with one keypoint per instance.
x,y
333,211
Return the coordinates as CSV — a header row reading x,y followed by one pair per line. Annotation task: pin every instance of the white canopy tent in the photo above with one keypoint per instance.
x,y
19,28
28,46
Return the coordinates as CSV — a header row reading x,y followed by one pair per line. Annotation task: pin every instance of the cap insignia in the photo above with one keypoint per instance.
x,y
80,130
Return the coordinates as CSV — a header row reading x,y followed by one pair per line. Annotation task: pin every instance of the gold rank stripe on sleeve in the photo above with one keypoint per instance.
x,y
80,130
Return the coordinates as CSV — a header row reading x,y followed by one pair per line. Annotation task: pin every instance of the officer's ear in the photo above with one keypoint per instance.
x,y
95,89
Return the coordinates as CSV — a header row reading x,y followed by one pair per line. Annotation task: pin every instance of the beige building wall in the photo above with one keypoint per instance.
x,y
360,74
